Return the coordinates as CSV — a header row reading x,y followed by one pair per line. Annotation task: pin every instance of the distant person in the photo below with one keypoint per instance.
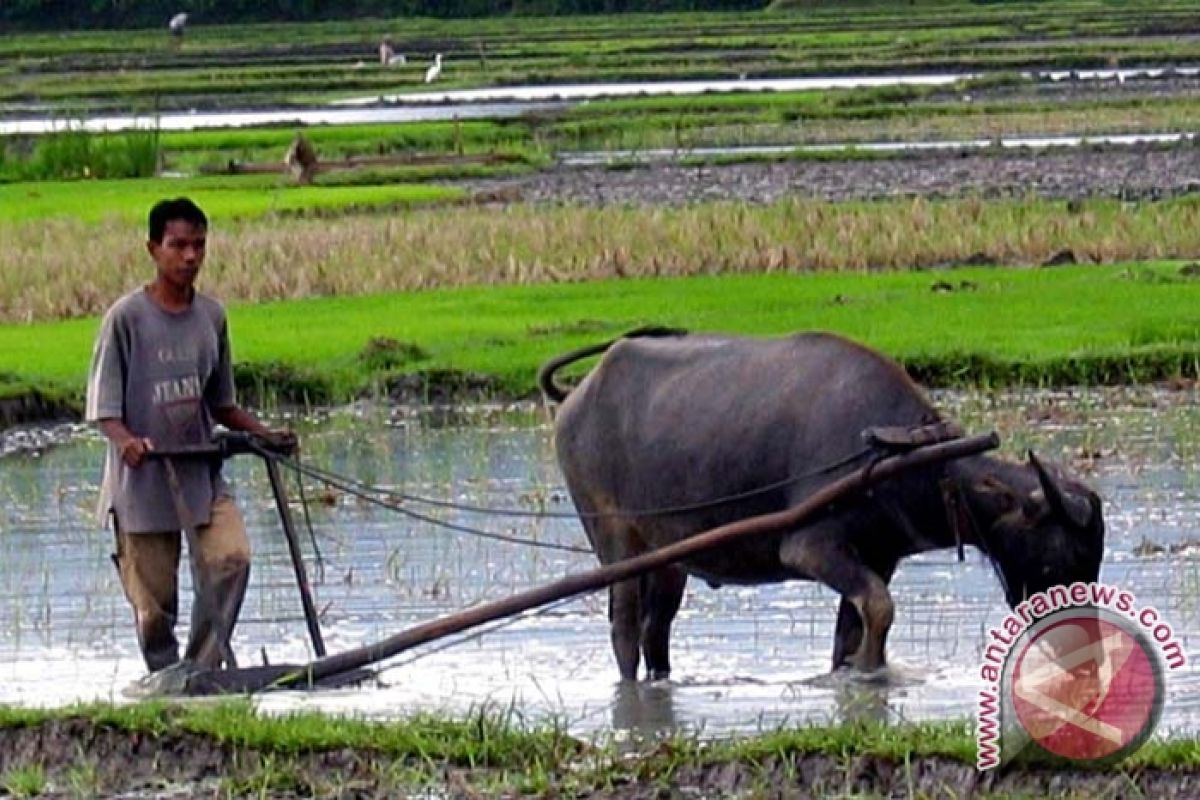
x,y
301,159
388,56
160,377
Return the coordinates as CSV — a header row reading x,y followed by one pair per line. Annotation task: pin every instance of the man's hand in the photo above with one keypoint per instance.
x,y
283,442
134,449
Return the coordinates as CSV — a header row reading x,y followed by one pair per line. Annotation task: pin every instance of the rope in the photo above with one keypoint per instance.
x,y
345,482
339,484
375,495
312,534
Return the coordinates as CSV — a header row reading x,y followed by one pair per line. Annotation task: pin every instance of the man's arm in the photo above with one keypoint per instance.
x,y
106,388
237,418
133,448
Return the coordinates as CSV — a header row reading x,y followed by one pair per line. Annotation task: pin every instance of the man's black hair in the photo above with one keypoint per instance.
x,y
165,211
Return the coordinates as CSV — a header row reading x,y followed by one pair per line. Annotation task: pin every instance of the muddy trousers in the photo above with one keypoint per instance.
x,y
149,565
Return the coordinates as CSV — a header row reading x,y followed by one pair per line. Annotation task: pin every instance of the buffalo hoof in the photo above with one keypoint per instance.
x,y
658,675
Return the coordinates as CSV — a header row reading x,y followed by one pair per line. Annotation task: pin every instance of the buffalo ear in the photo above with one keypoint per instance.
x,y
996,495
1075,510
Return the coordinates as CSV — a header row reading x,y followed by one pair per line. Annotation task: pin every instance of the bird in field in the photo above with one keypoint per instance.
x,y
178,24
434,70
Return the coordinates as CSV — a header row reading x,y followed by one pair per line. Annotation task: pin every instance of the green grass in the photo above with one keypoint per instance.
x,y
241,196
286,65
485,737
281,258
350,139
734,119
26,781
261,64
78,153
495,752
1087,324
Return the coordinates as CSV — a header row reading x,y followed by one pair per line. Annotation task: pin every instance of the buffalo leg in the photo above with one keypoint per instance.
x,y
847,636
624,612
615,544
615,541
662,594
821,553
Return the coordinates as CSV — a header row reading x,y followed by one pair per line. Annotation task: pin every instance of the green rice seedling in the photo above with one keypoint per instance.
x,y
294,258
944,338
82,779
25,781
66,154
958,36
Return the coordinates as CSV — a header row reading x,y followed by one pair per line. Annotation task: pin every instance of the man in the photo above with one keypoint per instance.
x,y
301,159
161,376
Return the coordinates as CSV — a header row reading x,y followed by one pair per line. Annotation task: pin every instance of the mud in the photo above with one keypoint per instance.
x,y
1121,173
121,763
36,406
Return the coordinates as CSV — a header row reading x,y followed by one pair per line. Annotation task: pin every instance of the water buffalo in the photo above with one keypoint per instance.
x,y
674,434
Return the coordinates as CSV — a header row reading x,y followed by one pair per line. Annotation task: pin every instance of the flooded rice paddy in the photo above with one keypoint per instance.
x,y
744,658
196,120
498,102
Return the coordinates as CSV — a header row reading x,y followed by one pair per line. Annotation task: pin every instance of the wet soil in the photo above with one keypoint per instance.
x,y
121,763
1141,172
1122,173
35,406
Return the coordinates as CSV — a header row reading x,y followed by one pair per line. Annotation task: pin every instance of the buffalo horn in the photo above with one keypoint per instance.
x,y
1075,510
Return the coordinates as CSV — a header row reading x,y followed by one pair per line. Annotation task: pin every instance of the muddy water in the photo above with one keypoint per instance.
x,y
744,658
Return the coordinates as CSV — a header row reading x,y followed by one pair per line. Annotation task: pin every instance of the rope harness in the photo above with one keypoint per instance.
x,y
879,443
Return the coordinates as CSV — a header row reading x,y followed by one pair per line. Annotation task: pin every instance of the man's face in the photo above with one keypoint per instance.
x,y
180,253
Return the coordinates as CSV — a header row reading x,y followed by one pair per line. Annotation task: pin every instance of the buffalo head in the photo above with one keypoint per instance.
x,y
1043,529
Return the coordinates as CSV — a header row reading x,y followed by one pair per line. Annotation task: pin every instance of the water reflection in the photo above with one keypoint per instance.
x,y
196,120
510,101
856,702
586,91
644,709
745,658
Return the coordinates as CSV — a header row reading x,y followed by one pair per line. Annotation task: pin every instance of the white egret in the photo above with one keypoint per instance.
x,y
434,70
178,23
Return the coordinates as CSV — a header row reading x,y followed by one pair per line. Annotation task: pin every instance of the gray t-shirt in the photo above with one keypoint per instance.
x,y
163,374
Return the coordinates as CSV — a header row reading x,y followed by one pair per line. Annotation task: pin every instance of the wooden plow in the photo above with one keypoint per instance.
x,y
351,666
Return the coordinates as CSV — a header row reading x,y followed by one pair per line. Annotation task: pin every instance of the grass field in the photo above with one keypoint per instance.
x,y
1004,105
1093,324
317,61
241,197
344,266
495,753
278,258
351,287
